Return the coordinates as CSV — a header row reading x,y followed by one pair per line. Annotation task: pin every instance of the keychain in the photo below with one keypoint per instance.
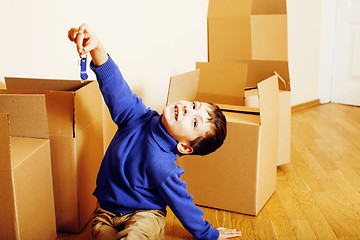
x,y
83,62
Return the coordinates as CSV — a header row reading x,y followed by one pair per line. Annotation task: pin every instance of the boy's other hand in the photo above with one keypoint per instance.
x,y
225,233
86,41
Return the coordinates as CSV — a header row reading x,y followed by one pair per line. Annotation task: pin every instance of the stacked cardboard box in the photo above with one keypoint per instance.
x,y
247,50
254,32
26,192
74,112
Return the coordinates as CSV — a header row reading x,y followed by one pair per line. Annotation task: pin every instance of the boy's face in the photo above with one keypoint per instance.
x,y
185,121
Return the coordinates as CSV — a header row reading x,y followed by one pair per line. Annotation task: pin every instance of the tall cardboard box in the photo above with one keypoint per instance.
x,y
26,192
254,32
75,120
241,175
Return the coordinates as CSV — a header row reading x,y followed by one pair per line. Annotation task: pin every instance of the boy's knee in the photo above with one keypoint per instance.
x,y
102,231
146,225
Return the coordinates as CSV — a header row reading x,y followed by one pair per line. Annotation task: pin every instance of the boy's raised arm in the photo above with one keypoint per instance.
x,y
86,41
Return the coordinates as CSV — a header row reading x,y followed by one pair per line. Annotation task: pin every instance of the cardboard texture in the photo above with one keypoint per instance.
x,y
284,145
247,29
183,87
221,82
241,175
74,111
26,193
254,32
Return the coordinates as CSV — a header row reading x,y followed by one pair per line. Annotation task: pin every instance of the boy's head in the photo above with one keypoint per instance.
x,y
198,127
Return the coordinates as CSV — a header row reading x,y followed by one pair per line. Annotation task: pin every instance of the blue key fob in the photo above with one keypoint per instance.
x,y
83,73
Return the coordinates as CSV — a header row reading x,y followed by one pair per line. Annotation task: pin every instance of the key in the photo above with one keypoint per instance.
x,y
83,62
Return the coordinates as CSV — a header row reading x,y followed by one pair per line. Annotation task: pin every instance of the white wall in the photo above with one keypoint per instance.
x,y
149,40
304,32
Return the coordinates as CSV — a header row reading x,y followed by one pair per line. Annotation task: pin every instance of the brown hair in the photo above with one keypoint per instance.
x,y
213,139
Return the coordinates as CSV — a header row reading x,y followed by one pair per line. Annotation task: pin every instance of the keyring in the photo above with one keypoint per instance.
x,y
83,62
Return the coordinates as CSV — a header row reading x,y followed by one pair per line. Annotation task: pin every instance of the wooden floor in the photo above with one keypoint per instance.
x,y
318,193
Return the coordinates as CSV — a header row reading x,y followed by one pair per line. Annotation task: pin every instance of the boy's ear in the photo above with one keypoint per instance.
x,y
184,148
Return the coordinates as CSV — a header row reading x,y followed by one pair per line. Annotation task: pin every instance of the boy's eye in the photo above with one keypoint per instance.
x,y
195,122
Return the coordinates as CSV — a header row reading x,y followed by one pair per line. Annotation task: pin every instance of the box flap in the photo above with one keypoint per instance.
x,y
254,76
269,104
221,82
239,109
44,84
220,8
8,220
27,114
4,141
183,87
59,106
22,148
268,7
87,106
269,133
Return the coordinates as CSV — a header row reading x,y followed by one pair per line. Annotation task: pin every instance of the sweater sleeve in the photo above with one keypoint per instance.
x,y
174,192
123,104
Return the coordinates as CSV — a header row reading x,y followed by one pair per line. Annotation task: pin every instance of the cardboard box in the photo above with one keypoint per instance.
x,y
284,145
241,175
254,32
258,70
26,193
75,120
247,29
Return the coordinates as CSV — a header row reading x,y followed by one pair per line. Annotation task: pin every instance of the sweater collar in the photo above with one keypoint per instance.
x,y
162,137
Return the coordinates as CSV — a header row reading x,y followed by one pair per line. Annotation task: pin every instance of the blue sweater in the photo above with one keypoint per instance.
x,y
139,170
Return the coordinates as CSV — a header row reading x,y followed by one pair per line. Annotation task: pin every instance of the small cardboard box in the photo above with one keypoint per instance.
x,y
75,120
26,193
241,175
247,29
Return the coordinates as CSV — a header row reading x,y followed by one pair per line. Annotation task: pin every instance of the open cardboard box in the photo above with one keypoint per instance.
x,y
251,100
254,32
26,193
241,175
74,112
247,29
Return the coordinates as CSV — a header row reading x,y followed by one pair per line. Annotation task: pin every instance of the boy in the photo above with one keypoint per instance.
x,y
138,176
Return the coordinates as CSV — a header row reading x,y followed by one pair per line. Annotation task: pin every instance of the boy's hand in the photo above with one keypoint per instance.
x,y
225,233
86,41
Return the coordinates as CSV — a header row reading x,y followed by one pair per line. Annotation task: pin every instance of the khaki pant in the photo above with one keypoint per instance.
x,y
142,224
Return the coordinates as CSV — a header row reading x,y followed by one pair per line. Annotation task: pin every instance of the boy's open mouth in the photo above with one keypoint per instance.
x,y
176,112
